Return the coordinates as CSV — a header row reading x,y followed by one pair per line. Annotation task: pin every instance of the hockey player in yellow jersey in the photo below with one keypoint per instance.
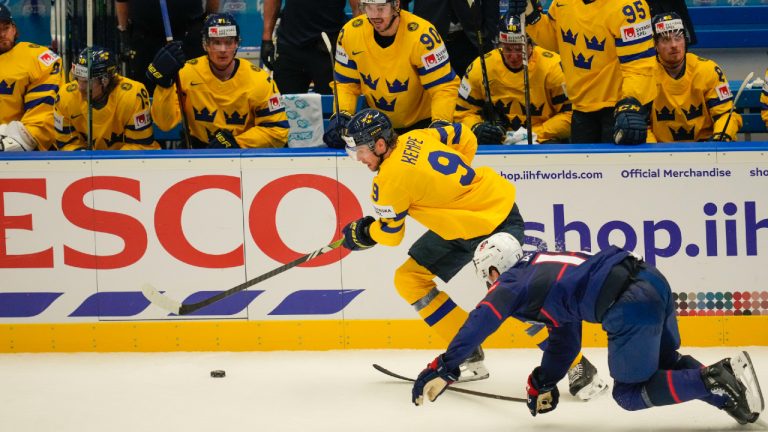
x,y
29,79
228,102
427,174
607,54
551,110
693,99
120,118
399,63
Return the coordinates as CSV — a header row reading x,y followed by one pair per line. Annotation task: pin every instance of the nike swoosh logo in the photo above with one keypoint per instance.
x,y
194,84
75,116
357,52
560,5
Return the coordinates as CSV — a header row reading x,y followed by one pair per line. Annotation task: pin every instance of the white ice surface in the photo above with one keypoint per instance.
x,y
309,391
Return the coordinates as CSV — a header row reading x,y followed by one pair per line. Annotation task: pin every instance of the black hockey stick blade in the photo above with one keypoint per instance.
x,y
388,372
176,307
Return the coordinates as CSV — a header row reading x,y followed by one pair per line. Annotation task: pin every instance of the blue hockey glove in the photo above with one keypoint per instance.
x,y
332,136
166,64
437,123
357,235
433,381
541,398
222,139
489,133
630,125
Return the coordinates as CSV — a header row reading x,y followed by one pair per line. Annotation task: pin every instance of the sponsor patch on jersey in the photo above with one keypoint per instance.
x,y
634,32
413,26
126,86
222,31
357,23
341,55
723,91
48,57
435,58
141,119
71,87
464,88
275,103
58,121
385,211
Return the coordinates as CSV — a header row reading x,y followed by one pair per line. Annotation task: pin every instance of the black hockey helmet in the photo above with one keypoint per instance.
x,y
5,14
669,23
103,64
220,25
366,127
511,30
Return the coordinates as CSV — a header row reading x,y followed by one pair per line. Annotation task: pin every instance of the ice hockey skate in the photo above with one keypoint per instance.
x,y
735,378
473,368
584,382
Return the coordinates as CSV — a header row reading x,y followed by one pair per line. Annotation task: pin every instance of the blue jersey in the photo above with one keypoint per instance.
x,y
559,290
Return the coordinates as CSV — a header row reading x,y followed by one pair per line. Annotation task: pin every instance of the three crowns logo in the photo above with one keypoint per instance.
x,y
204,114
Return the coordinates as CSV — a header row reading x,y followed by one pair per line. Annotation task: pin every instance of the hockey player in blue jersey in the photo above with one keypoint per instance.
x,y
633,302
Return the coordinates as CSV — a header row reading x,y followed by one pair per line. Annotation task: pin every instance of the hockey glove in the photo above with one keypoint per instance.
x,y
630,125
433,381
541,398
222,139
268,53
336,125
489,133
357,234
166,64
438,123
15,137
532,11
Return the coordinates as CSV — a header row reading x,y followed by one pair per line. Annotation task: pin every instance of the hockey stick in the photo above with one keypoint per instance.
x,y
388,372
173,306
733,107
526,83
488,108
177,82
333,70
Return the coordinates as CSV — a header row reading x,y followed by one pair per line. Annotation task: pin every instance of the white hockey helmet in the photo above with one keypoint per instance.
x,y
500,251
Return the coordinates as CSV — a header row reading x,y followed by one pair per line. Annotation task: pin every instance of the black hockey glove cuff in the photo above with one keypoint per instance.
x,y
631,126
336,125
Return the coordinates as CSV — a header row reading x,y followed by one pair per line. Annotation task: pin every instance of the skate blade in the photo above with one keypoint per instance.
x,y
479,373
745,372
595,389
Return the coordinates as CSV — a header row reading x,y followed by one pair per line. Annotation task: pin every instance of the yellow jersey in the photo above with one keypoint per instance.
x,y
550,107
122,123
428,176
606,47
29,79
694,106
248,104
410,80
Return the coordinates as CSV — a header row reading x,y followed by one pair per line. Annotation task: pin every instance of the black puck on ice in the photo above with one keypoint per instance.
x,y
218,374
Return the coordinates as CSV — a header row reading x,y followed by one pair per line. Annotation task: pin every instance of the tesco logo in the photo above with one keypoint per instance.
x,y
167,213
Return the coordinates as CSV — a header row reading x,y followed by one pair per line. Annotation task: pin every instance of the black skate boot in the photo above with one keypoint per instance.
x,y
473,368
735,378
583,381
